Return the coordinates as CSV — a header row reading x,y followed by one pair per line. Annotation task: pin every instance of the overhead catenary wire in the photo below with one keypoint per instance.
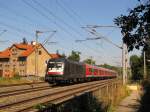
x,y
19,30
47,17
57,17
68,13
21,15
2,32
74,13
78,22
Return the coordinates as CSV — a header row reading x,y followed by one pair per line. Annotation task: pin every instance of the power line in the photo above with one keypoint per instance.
x,y
93,31
41,13
15,28
56,17
30,21
73,11
68,13
47,17
3,31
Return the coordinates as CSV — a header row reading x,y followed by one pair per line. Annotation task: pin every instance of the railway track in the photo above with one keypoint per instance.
x,y
17,87
25,101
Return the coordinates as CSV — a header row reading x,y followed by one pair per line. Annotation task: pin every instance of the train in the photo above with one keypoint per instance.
x,y
62,70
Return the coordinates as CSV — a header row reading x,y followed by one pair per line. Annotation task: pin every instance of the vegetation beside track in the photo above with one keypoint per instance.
x,y
122,92
145,97
16,80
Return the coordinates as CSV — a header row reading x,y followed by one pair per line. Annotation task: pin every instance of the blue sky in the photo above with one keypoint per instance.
x,y
21,18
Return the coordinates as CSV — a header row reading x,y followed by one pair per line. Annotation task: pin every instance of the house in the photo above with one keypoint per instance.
x,y
23,59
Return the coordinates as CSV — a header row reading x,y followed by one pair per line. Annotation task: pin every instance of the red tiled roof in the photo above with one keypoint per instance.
x,y
27,52
24,46
54,55
28,49
5,53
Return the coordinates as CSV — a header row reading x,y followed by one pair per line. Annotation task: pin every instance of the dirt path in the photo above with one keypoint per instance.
x,y
130,103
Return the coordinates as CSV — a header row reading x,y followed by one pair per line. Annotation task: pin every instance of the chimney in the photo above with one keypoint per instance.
x,y
33,43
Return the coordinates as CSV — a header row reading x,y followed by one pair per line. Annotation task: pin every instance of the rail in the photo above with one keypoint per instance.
x,y
26,101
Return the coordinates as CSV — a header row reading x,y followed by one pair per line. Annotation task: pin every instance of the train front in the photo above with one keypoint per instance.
x,y
55,70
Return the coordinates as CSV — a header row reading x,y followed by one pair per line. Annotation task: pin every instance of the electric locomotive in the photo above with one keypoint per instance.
x,y
62,70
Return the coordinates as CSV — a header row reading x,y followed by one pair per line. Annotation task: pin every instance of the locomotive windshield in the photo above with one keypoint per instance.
x,y
55,65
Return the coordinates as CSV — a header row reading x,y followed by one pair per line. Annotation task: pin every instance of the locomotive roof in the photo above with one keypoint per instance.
x,y
57,59
64,60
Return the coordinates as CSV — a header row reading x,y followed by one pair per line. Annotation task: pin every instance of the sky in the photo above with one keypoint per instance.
x,y
22,18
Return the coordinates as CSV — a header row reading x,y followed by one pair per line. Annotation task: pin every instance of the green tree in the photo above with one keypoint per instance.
x,y
135,26
75,56
136,67
89,61
147,53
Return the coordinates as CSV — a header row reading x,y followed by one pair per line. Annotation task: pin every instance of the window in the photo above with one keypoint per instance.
x,y
6,65
14,60
40,52
22,63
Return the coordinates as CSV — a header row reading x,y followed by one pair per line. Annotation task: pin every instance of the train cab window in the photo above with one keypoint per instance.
x,y
58,65
51,65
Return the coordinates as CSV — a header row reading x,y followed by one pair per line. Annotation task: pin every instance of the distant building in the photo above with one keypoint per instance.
x,y
19,59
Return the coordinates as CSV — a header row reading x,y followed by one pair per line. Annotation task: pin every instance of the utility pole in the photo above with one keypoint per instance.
x,y
37,47
124,63
36,53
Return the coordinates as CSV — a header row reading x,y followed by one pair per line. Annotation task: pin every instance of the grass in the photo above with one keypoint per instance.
x,y
119,95
13,80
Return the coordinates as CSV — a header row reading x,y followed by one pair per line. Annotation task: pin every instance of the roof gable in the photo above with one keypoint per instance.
x,y
27,50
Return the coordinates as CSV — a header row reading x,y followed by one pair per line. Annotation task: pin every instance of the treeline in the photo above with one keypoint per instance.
x,y
137,66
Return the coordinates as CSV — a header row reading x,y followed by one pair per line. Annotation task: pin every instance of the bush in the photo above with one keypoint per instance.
x,y
16,76
145,98
84,103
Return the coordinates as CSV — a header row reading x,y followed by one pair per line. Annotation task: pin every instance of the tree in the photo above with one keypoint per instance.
x,y
135,26
147,53
75,56
136,67
89,61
